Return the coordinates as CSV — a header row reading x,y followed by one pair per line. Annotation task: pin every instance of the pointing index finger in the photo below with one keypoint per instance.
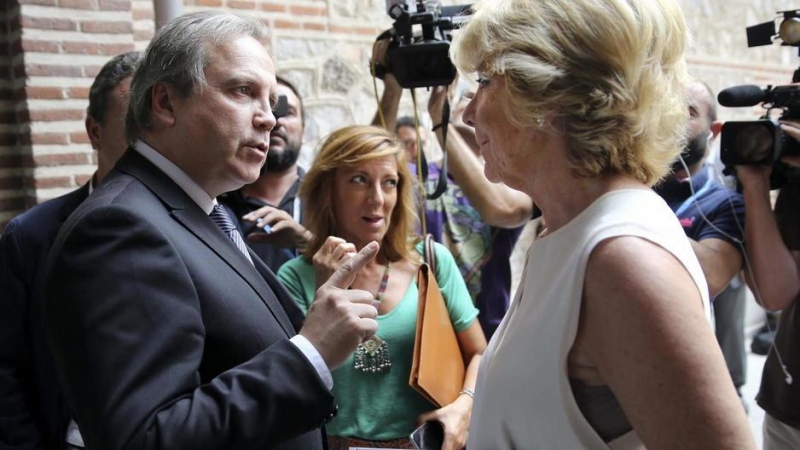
x,y
346,273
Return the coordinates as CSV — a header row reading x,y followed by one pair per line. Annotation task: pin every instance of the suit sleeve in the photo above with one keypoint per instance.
x,y
124,318
18,428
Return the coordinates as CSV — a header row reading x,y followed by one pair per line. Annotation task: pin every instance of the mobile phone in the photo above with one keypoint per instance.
x,y
249,226
429,436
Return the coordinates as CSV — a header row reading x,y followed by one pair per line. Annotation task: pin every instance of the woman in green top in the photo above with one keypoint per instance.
x,y
359,190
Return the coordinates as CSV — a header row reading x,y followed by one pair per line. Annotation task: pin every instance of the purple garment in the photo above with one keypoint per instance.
x,y
482,252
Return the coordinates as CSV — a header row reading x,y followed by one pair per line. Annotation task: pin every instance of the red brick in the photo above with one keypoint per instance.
x,y
79,137
314,26
242,4
78,92
62,160
142,35
41,23
12,204
49,139
286,24
40,46
45,92
52,182
7,93
307,10
55,115
117,48
78,4
15,48
11,182
142,14
83,48
16,161
272,7
82,179
91,71
9,116
47,70
115,5
38,2
107,27
354,30
208,3
8,139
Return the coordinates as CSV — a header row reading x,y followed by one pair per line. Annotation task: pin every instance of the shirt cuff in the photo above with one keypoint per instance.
x,y
314,358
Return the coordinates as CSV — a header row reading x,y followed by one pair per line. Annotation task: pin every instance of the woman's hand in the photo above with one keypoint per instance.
x,y
283,230
333,253
455,420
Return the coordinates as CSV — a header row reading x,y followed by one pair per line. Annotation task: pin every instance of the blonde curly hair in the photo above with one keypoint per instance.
x,y
612,71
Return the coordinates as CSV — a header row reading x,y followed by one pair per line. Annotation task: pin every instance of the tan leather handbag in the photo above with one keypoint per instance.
x,y
437,370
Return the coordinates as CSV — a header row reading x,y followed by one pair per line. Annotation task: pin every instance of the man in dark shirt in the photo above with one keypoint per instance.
x,y
279,235
33,413
713,218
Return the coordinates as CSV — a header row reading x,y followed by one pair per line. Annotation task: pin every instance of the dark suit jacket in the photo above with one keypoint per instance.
x,y
165,335
33,414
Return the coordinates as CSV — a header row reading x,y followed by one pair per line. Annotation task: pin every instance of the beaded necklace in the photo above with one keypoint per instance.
x,y
372,356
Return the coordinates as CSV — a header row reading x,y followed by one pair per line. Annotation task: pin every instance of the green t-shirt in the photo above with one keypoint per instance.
x,y
379,406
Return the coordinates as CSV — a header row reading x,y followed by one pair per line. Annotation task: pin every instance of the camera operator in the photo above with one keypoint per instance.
x,y
773,247
473,212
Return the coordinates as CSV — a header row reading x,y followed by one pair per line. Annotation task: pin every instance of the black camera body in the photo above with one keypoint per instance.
x,y
422,59
759,142
762,142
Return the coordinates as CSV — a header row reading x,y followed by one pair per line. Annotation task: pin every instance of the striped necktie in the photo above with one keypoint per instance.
x,y
224,222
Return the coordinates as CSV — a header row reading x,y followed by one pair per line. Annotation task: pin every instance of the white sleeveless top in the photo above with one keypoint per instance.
x,y
523,396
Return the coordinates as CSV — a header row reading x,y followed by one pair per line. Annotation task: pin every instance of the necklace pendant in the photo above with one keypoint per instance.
x,y
372,356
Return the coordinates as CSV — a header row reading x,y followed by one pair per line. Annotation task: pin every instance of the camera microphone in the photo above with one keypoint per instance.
x,y
745,95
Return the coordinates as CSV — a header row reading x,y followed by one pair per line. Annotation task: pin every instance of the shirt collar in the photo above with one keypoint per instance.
x,y
192,189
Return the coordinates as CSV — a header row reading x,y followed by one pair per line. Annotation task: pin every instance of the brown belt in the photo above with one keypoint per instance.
x,y
344,443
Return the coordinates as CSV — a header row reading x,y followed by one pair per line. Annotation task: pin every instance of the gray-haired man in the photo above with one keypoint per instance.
x,y
184,339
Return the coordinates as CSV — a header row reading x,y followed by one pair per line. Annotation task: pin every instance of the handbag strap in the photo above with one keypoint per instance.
x,y
430,254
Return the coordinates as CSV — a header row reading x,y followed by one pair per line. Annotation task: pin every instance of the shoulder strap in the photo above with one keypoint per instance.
x,y
430,254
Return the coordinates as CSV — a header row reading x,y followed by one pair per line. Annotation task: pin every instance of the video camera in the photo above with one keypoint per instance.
x,y
762,142
421,59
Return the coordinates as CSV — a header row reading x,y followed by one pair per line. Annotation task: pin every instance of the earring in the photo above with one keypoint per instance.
x,y
540,121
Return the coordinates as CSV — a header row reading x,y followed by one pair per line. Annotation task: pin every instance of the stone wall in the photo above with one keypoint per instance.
x,y
50,51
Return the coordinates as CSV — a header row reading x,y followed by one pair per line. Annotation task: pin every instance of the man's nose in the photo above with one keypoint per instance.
x,y
264,118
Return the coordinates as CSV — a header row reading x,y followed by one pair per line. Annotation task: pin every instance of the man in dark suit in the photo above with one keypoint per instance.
x,y
167,332
33,414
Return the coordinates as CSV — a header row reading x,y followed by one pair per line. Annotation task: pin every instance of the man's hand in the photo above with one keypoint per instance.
x,y
340,318
284,231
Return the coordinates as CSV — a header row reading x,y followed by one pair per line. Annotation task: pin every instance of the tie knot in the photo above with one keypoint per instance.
x,y
222,219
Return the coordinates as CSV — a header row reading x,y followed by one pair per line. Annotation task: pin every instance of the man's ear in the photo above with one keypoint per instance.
x,y
94,130
162,97
716,128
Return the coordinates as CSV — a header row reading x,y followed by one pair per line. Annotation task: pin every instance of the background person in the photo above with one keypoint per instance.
x,y
166,331
773,247
359,190
609,343
273,197
33,413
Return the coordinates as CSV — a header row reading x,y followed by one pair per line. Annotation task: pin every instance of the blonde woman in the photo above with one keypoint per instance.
x,y
581,105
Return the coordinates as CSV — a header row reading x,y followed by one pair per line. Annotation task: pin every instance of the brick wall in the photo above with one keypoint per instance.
x,y
50,51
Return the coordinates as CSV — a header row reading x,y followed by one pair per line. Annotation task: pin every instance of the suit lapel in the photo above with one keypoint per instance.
x,y
189,215
287,302
204,228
